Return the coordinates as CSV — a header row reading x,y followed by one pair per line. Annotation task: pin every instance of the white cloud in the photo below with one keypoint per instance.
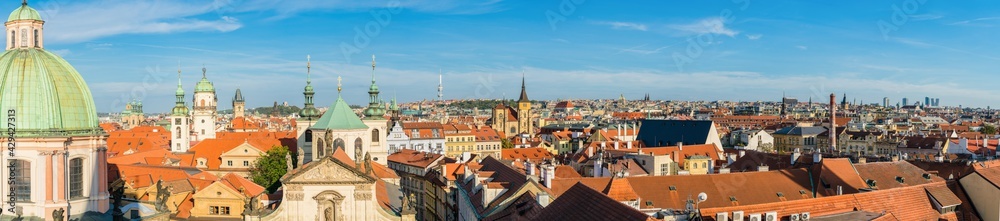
x,y
978,22
78,21
61,52
802,47
623,25
287,8
925,17
754,37
713,25
641,50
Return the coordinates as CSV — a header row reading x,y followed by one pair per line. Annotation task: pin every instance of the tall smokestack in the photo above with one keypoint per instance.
x,y
833,122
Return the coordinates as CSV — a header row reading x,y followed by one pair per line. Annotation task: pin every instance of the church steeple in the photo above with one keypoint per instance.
x,y
524,93
309,111
376,110
180,109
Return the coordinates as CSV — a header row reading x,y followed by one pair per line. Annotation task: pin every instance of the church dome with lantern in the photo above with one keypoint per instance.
x,y
49,96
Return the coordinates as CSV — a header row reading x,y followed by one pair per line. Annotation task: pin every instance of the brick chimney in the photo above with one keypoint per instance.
x,y
833,121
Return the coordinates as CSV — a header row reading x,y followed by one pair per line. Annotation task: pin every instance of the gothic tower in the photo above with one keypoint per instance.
x,y
524,111
239,105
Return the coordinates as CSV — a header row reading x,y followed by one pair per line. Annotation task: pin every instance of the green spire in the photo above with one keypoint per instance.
x,y
180,109
309,111
376,110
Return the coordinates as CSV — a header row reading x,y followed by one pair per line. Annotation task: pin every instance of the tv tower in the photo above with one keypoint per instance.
x,y
440,87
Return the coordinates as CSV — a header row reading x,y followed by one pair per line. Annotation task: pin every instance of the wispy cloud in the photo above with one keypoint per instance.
x,y
79,21
641,50
802,47
284,9
926,17
623,25
978,22
754,37
918,43
713,25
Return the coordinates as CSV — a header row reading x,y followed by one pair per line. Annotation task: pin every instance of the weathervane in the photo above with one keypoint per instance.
x,y
308,69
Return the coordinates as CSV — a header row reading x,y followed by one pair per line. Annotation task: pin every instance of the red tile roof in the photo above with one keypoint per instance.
x,y
250,189
526,154
414,158
908,203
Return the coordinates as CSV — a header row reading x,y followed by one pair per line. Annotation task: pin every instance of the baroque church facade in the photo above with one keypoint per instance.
x,y
335,179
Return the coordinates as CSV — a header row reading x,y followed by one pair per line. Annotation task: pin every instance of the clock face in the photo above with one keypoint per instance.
x,y
177,121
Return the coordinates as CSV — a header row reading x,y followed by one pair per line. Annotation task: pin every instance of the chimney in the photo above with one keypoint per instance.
x,y
840,190
895,158
548,175
986,140
862,160
833,122
629,145
528,168
680,146
817,157
616,145
762,168
795,156
676,155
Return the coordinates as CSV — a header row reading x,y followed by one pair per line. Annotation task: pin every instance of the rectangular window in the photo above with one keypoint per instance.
x,y
76,177
230,163
246,163
218,210
663,169
22,179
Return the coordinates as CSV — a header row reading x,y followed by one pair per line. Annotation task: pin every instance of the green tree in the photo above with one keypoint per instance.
x,y
506,144
269,168
989,129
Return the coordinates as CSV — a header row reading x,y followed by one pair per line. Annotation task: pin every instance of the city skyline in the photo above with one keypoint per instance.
x,y
567,49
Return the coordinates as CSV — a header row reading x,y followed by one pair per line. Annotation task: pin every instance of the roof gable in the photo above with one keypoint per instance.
x,y
327,170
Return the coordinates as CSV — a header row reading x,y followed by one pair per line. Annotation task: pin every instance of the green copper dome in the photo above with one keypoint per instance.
x,y
339,117
50,98
204,85
24,13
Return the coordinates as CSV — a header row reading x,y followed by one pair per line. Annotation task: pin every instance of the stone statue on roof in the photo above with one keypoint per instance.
x,y
408,204
162,193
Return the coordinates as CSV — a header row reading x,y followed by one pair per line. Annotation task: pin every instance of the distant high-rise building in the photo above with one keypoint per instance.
x,y
885,102
937,102
906,101
927,102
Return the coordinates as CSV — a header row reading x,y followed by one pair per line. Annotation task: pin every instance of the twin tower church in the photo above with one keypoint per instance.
x,y
318,135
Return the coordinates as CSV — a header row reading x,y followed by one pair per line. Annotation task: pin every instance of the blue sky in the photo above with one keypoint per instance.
x,y
674,50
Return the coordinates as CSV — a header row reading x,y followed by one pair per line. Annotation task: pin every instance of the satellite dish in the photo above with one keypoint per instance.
x,y
702,197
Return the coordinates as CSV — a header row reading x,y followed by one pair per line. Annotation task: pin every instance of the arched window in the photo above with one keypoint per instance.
x,y
339,144
320,146
202,102
24,37
358,146
76,177
36,38
22,179
375,135
309,136
178,132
